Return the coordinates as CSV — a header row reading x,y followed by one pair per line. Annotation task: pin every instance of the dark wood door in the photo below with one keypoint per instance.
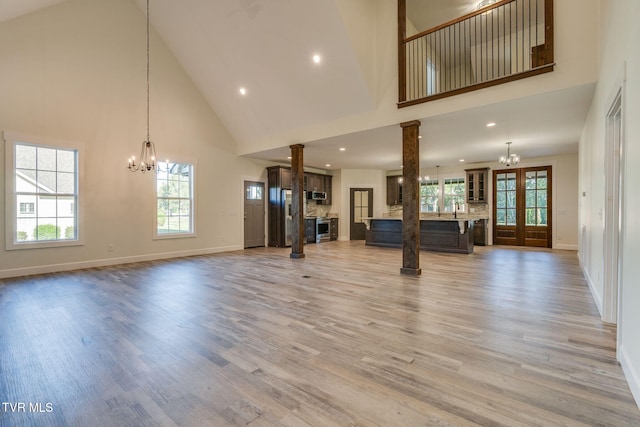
x,y
253,214
361,207
522,207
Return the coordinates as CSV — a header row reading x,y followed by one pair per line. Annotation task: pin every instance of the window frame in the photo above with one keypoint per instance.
x,y
462,206
12,206
192,199
441,180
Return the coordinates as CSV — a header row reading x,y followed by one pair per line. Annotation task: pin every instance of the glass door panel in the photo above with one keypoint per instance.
x,y
522,206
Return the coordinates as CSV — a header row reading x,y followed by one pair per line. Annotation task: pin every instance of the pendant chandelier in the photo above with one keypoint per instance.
x,y
147,160
509,159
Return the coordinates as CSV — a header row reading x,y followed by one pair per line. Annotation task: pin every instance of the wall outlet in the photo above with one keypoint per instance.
x,y
110,247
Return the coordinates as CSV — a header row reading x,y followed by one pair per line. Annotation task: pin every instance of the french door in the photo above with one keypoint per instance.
x,y
522,207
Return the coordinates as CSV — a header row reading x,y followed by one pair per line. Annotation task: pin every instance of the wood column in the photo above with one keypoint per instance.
x,y
402,54
410,198
297,201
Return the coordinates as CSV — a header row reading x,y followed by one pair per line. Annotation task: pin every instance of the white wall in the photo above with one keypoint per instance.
x,y
75,72
617,46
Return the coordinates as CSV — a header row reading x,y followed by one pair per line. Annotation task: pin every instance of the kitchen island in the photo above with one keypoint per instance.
x,y
436,234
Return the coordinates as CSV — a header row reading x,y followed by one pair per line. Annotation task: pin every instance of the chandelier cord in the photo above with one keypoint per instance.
x,y
148,137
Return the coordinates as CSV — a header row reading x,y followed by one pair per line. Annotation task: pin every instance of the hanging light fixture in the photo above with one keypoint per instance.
x,y
509,159
147,160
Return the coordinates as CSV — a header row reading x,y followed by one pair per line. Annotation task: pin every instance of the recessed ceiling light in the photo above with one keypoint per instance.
x,y
243,91
419,136
490,124
328,165
343,149
461,160
289,158
317,58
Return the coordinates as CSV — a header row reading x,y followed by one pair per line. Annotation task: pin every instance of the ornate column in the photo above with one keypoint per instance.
x,y
410,198
297,201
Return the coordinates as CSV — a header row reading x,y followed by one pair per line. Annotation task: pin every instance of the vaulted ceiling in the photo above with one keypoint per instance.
x,y
266,47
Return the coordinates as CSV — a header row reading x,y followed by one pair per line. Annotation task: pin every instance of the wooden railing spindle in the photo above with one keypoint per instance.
x,y
494,45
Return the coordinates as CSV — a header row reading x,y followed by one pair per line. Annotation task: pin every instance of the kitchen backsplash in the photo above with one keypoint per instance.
x,y
480,210
314,209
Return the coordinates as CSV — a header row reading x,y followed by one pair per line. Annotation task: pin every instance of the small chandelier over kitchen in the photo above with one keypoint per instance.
x,y
148,159
509,159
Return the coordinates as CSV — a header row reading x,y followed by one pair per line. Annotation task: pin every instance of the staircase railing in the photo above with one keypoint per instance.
x,y
507,41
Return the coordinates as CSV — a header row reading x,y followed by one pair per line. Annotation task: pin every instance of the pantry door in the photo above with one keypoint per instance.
x,y
522,207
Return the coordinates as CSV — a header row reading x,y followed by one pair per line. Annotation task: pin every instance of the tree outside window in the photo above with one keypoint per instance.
x,y
174,195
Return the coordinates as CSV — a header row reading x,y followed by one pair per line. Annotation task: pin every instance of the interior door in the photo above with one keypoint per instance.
x,y
253,214
522,207
361,207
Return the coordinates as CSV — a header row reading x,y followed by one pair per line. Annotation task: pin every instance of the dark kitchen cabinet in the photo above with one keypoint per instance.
x,y
321,183
333,229
310,230
480,232
477,183
394,190
327,184
314,182
279,178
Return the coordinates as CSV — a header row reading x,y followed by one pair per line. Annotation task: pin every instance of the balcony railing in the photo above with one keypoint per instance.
x,y
509,40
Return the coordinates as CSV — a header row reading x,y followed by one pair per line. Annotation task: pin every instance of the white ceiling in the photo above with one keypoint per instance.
x,y
538,126
266,46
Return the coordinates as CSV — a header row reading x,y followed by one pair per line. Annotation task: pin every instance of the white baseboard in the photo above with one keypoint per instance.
x,y
55,268
631,373
566,247
597,299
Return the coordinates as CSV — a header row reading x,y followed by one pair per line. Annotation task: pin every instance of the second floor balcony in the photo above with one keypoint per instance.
x,y
503,41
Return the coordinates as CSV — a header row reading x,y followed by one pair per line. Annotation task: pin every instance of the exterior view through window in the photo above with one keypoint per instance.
x,y
174,194
46,193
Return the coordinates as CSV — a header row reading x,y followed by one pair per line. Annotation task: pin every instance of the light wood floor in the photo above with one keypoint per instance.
x,y
499,337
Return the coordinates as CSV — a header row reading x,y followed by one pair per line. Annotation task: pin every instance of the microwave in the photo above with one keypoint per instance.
x,y
316,195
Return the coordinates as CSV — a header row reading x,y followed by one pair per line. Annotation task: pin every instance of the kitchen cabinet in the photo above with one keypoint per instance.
x,y
321,183
327,184
480,232
333,229
279,178
394,190
314,182
477,183
310,230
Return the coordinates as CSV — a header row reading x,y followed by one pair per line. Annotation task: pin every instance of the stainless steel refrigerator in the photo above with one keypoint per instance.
x,y
288,218
288,214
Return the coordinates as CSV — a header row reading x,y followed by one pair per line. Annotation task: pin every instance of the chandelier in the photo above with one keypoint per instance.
x,y
509,159
147,160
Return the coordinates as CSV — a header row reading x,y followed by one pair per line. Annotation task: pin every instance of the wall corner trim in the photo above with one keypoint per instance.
x,y
631,373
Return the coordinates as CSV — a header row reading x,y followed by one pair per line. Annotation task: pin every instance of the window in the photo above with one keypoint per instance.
x,y
44,194
536,198
174,195
429,191
27,208
254,192
452,191
454,194
506,198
